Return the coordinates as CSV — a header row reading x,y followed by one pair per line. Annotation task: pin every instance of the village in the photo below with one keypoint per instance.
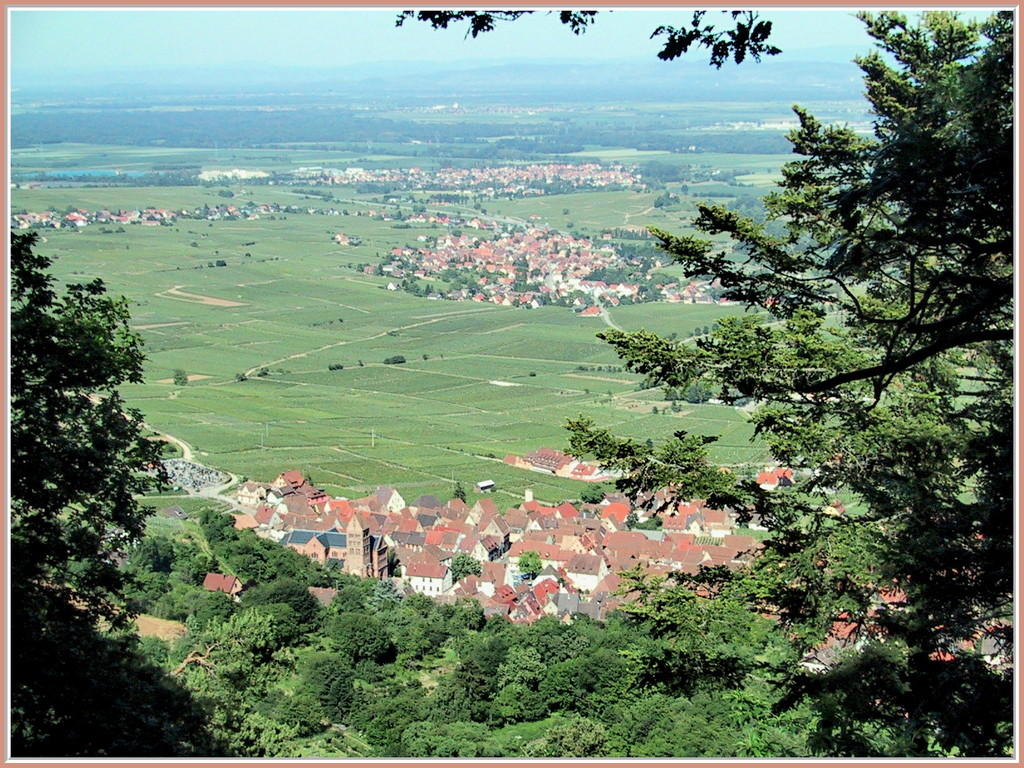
x,y
531,268
153,217
500,180
78,218
533,560
506,181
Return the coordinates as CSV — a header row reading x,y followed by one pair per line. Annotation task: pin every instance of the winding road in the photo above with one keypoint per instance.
x,y
219,492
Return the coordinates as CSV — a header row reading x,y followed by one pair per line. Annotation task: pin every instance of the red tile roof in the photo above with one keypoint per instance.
x,y
616,511
584,564
245,521
293,477
219,582
426,570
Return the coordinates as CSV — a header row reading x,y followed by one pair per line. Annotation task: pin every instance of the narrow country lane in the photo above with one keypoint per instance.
x,y
222,492
186,450
607,317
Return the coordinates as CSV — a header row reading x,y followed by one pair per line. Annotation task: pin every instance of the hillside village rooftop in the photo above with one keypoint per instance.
x,y
582,548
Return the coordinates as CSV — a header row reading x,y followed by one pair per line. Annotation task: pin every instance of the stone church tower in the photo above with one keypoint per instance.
x,y
357,549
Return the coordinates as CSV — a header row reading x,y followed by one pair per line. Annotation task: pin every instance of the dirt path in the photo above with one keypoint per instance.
x,y
222,492
501,330
186,450
434,319
645,212
195,298
157,325
595,378
607,317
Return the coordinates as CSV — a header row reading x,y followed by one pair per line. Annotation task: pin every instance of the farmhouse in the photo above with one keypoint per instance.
x,y
219,582
251,494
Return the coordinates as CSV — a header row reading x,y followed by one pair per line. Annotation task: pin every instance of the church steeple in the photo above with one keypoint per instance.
x,y
357,546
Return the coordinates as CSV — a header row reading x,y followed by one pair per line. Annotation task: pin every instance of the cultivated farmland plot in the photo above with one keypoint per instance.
x,y
258,337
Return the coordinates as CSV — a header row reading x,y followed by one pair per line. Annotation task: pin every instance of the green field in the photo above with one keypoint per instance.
x,y
480,381
63,157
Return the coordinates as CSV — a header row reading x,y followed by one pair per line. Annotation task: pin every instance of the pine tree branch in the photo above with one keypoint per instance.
x,y
897,365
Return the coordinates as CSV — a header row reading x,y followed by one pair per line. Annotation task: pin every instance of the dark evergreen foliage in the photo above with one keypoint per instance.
x,y
886,380
76,459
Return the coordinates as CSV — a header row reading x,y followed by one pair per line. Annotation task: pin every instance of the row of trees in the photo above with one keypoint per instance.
x,y
346,131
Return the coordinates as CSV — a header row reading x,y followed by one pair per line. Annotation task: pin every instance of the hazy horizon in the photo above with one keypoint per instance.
x,y
87,40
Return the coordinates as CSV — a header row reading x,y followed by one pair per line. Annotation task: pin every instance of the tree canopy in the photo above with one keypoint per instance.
x,y
77,457
530,563
879,347
464,565
748,35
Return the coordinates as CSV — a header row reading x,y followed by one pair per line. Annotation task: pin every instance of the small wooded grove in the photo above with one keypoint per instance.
x,y
278,674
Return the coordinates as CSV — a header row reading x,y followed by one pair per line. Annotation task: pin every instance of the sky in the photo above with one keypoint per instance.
x,y
76,39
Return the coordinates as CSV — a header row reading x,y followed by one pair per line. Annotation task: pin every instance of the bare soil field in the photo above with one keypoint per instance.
x,y
191,377
150,626
158,325
195,298
502,329
592,378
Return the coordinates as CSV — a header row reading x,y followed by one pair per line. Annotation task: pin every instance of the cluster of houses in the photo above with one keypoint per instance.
x,y
82,217
535,560
554,462
247,211
235,174
149,216
524,180
580,549
427,219
532,267
693,292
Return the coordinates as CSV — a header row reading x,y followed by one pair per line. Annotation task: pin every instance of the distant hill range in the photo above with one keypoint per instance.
x,y
633,80
792,79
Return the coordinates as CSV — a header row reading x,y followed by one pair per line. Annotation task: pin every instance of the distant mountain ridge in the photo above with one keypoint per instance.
x,y
520,80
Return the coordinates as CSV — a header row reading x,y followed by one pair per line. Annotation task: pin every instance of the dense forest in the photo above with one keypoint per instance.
x,y
380,675
345,129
